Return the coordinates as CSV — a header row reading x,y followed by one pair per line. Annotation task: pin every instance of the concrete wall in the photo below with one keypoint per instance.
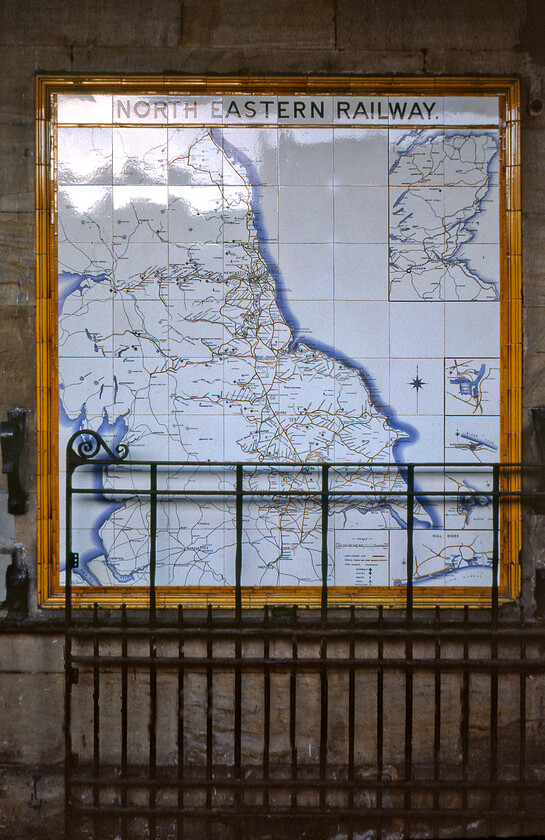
x,y
427,37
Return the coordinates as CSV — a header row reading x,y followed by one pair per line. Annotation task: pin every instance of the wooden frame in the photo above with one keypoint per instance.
x,y
47,89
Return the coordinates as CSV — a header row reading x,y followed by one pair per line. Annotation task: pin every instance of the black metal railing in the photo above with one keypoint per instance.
x,y
288,722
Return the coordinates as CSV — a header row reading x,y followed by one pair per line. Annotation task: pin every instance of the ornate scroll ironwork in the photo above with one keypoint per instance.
x,y
92,446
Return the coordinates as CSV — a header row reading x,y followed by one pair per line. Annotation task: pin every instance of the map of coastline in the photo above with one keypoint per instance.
x,y
199,357
428,231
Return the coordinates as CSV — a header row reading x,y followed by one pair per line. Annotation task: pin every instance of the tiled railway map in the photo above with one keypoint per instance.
x,y
283,279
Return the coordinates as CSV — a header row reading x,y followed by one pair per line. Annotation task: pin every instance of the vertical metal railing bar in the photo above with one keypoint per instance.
x,y
238,556
96,722
465,716
180,725
522,727
410,547
380,718
437,717
153,652
124,717
324,703
495,539
325,512
494,674
153,546
323,642
293,706
493,726
409,674
351,719
237,746
266,707
68,673
209,716
408,760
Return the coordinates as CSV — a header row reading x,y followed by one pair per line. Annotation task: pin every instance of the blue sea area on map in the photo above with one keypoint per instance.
x,y
472,500
69,283
113,433
473,269
469,387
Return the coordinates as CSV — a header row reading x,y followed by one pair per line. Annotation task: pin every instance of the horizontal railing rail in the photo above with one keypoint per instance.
x,y
86,448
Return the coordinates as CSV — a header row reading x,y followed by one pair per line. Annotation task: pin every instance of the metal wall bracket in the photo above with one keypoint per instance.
x,y
538,422
539,593
17,584
12,434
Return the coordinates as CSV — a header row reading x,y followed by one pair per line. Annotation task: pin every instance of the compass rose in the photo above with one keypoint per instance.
x,y
417,383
